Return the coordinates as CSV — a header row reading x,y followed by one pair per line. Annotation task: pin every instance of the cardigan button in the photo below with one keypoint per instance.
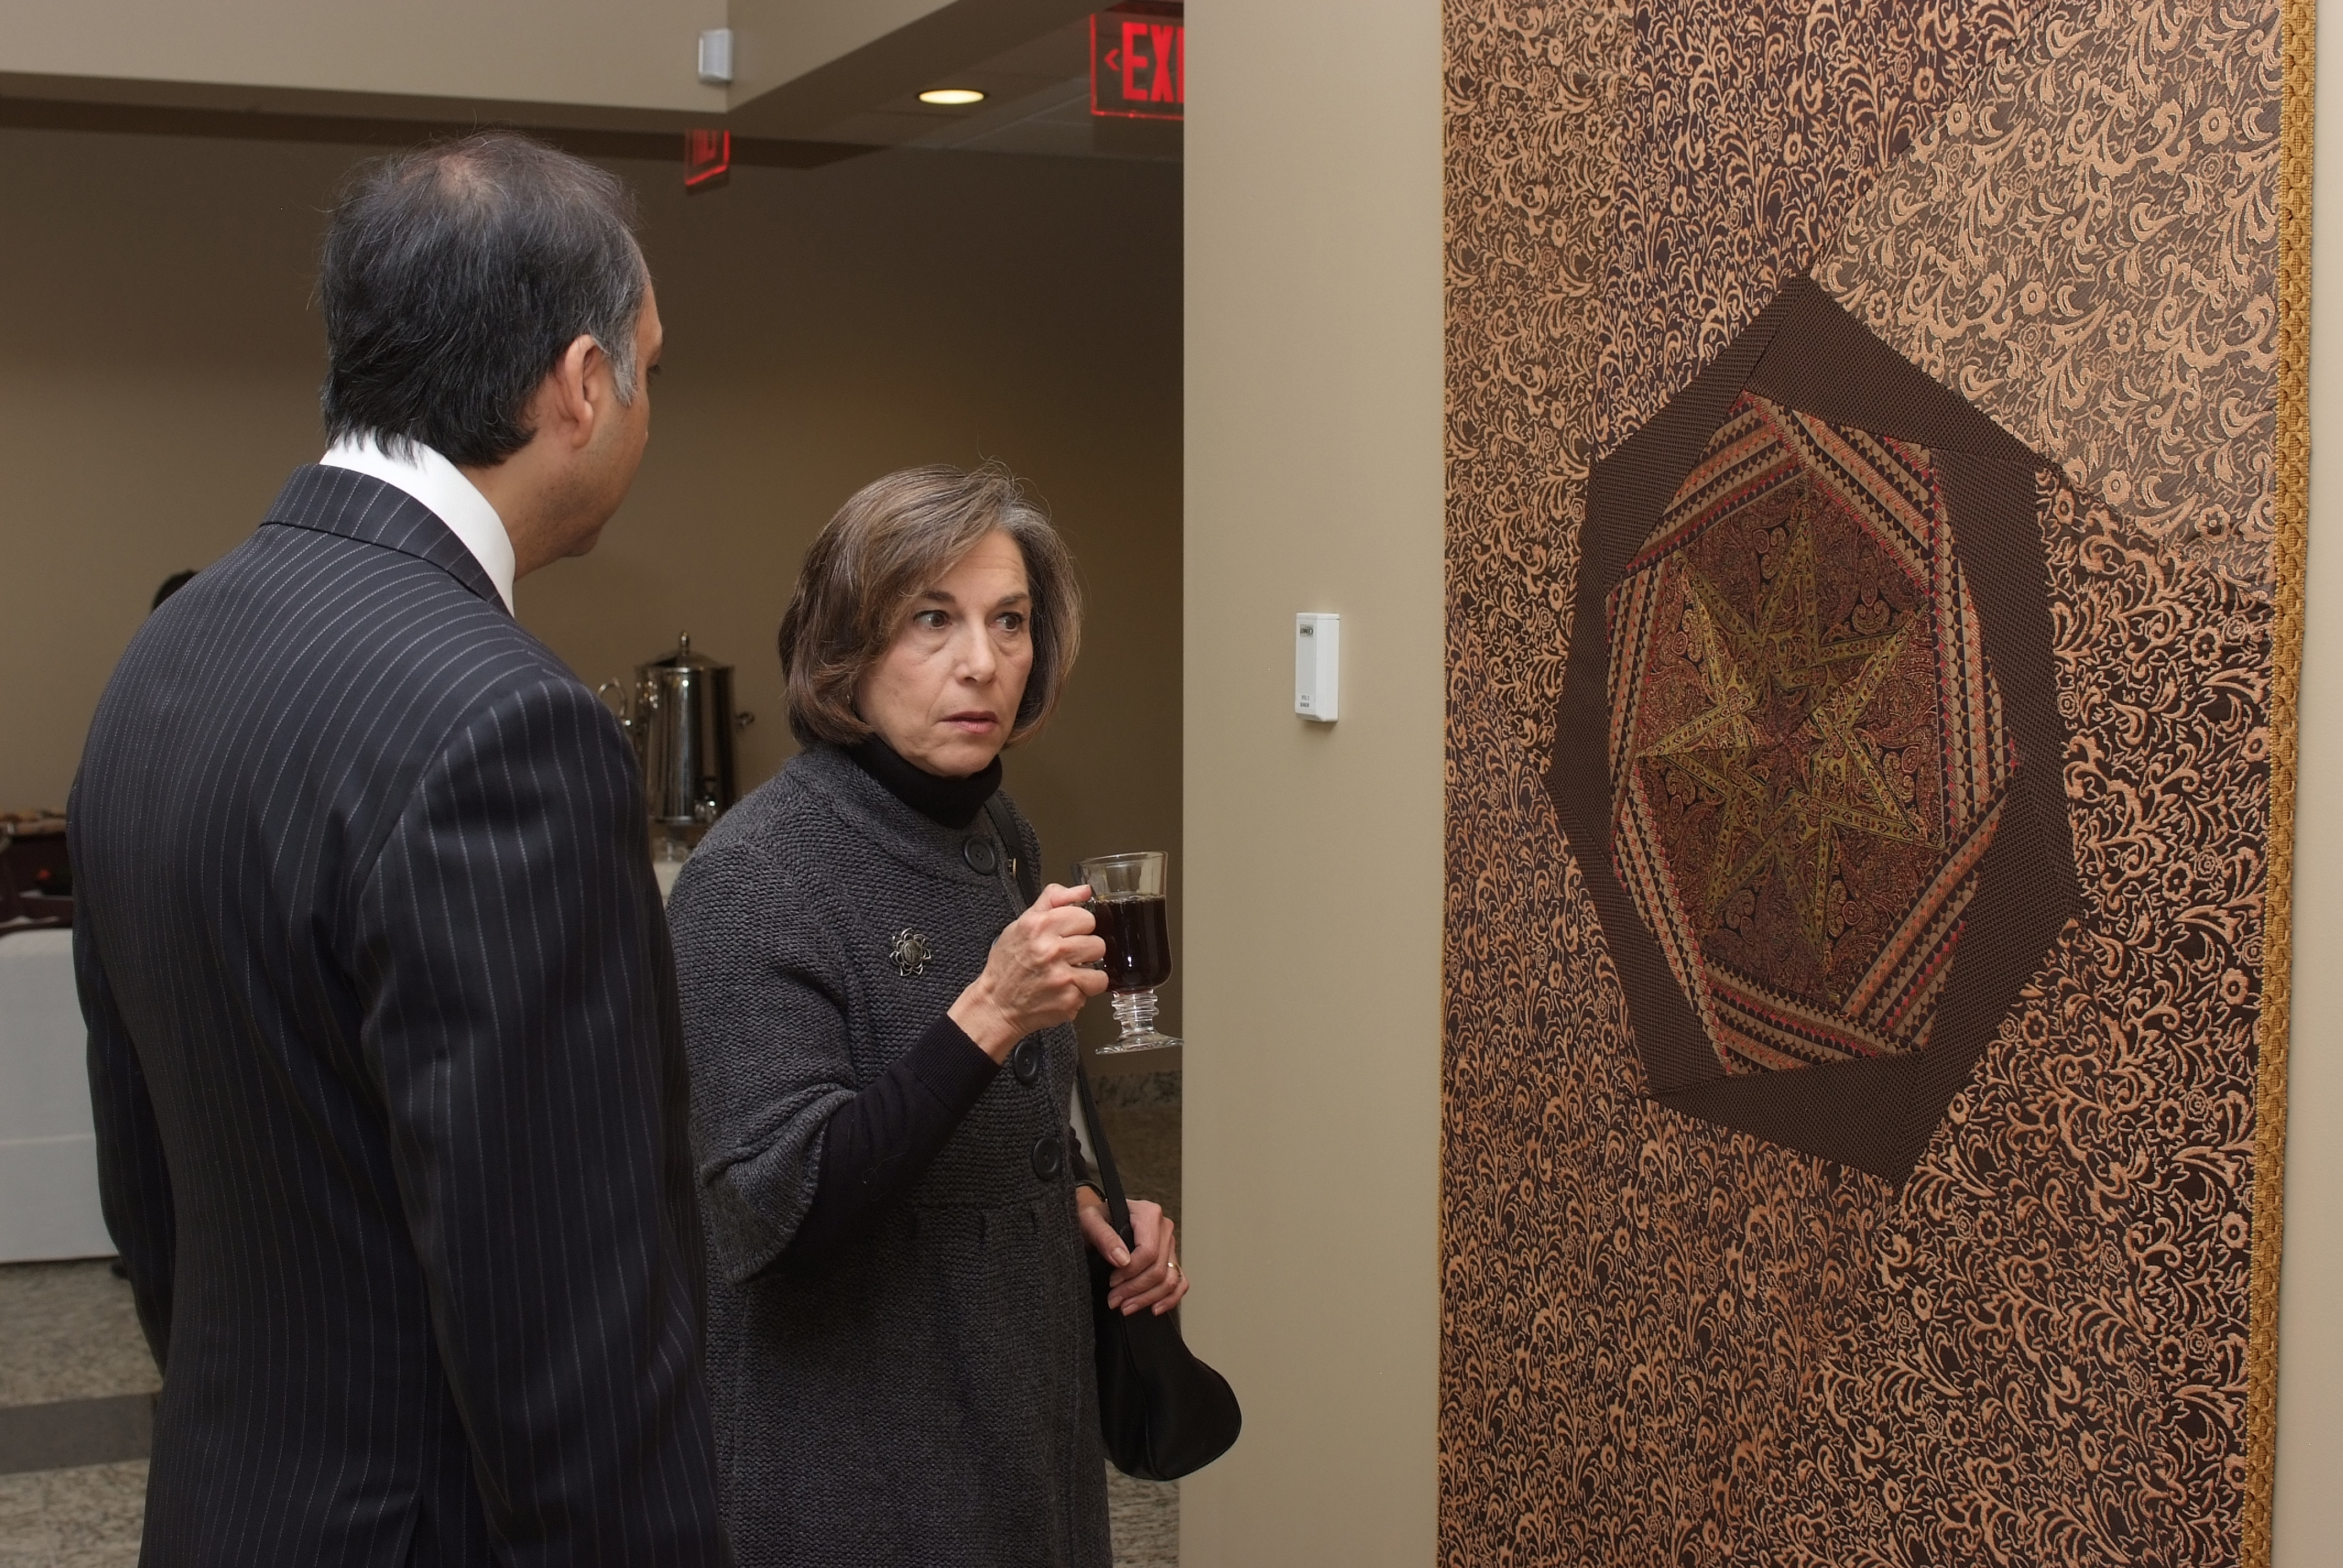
x,y
1025,1061
1047,1159
980,856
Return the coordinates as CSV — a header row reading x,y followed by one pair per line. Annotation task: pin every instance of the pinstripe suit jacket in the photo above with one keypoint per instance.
x,y
384,1051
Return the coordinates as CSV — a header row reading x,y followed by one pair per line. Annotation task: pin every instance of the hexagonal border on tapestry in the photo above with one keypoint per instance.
x,y
1875,1113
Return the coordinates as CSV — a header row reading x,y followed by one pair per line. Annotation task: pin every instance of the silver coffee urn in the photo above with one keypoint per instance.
x,y
677,711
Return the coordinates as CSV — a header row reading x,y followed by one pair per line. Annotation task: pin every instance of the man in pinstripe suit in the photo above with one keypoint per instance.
x,y
383,1041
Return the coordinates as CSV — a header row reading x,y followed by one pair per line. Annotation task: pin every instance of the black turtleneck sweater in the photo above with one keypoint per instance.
x,y
883,1139
947,802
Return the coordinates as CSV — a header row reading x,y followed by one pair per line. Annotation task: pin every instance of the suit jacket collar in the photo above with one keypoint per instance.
x,y
355,506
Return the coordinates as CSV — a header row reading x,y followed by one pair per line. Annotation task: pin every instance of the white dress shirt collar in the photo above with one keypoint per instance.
x,y
439,484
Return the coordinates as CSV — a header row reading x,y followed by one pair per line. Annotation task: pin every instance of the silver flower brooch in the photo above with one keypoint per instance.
x,y
911,952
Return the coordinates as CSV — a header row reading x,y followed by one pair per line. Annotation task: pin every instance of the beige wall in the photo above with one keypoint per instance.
x,y
1314,948
620,53
2309,1503
800,66
778,40
158,372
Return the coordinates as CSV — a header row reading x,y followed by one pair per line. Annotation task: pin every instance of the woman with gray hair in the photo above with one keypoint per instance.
x,y
900,1348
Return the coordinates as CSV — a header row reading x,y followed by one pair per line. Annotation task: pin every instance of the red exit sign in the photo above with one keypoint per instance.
x,y
1139,61
706,158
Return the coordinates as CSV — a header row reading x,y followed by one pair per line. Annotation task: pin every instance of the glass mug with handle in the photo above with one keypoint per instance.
x,y
1127,902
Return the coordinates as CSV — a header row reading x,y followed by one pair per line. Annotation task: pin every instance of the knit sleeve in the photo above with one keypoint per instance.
x,y
764,989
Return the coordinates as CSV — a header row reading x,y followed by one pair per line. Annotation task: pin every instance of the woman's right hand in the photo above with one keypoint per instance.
x,y
1036,977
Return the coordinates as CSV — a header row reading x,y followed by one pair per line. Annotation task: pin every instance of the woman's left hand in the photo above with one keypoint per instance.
x,y
1147,1276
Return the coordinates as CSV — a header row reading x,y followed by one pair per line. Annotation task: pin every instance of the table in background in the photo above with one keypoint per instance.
x,y
48,1153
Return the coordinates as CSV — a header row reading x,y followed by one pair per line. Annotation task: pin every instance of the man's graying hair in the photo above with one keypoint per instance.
x,y
454,278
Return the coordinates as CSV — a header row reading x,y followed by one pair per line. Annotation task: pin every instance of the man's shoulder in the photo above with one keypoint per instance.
x,y
392,617
347,653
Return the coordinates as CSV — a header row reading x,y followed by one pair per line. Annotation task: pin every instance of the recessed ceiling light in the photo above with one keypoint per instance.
x,y
951,97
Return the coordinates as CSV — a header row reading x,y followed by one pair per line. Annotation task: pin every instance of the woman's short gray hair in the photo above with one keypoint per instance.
x,y
893,540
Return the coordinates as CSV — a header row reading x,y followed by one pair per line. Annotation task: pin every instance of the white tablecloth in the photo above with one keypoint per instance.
x,y
48,1157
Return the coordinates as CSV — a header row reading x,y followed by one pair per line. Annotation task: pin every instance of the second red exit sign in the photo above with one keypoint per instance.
x,y
1139,61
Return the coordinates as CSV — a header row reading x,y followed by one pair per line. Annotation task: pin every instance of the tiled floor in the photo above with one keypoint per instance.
x,y
1145,1518
83,1518
68,1331
70,1334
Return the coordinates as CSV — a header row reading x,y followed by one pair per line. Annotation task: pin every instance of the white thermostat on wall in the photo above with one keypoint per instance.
x,y
1318,667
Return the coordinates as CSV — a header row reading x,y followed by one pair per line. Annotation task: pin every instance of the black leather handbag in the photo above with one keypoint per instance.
x,y
1162,1412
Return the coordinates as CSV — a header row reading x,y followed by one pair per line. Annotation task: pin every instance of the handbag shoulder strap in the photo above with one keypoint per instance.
x,y
1028,882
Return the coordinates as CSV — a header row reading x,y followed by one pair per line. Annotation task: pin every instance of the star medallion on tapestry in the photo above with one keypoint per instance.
x,y
1809,748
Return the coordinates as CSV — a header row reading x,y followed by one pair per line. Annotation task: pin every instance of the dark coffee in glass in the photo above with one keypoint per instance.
x,y
1127,899
1137,933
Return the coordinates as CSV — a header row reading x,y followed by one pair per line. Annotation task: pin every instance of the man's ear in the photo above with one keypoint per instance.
x,y
572,407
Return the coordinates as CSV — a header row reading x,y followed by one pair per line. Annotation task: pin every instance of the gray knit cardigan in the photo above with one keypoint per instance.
x,y
921,1395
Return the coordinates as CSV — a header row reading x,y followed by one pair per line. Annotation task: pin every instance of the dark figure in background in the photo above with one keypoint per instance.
x,y
391,1099
900,1334
171,585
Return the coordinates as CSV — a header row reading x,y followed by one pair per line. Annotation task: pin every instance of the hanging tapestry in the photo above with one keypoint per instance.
x,y
1877,484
